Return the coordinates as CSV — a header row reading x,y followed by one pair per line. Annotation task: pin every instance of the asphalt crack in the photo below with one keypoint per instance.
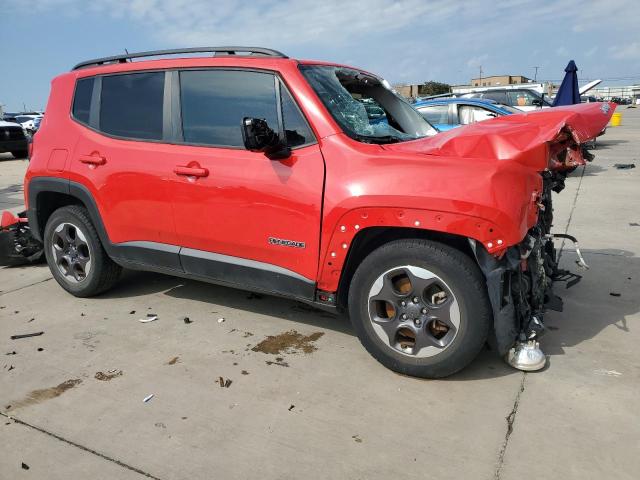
x,y
6,292
573,207
81,447
511,419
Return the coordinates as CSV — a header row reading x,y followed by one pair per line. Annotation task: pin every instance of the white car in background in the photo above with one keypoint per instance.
x,y
27,122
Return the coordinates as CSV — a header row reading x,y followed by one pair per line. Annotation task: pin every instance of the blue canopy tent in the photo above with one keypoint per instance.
x,y
569,93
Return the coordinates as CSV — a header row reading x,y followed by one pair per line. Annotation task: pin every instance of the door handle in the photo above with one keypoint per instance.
x,y
191,171
93,159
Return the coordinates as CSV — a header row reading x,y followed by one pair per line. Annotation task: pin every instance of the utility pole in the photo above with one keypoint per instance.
x,y
535,76
480,83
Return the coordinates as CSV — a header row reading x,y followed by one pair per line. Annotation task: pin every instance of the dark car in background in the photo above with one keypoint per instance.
x,y
523,99
13,139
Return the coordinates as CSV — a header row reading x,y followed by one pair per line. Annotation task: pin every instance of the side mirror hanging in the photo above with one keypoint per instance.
x,y
259,137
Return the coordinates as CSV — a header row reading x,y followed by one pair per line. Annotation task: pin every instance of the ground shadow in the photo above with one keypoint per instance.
x,y
589,307
606,296
606,144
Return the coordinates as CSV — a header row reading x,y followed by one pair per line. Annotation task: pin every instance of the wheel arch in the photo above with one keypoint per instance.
x,y
359,231
369,239
47,194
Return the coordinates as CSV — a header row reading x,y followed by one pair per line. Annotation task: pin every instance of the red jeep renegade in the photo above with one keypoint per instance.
x,y
251,169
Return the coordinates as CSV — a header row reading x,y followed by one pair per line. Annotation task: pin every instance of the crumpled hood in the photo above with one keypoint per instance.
x,y
521,137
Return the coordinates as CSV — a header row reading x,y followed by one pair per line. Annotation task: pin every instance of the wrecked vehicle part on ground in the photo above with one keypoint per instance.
x,y
17,245
375,213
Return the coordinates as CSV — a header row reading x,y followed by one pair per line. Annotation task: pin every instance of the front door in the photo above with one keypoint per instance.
x,y
242,218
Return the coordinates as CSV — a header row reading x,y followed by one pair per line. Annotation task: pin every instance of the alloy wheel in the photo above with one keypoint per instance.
x,y
414,311
71,252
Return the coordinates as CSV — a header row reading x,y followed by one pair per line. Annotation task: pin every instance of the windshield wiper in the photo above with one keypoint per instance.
x,y
379,140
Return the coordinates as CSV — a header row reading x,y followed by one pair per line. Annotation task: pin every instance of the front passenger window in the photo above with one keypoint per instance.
x,y
214,102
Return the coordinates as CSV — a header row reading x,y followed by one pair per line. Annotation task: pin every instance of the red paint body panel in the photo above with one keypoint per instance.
x,y
247,198
480,181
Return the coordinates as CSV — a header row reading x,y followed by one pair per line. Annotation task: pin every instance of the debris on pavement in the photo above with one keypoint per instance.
x,y
615,294
221,319
291,407
132,312
280,363
357,438
11,367
147,398
187,320
12,353
607,373
173,361
31,320
105,377
40,349
288,342
150,318
244,372
224,383
624,166
25,466
634,224
26,335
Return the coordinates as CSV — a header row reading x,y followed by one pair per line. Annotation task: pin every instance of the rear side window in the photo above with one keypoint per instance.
x,y
131,105
82,100
215,102
295,126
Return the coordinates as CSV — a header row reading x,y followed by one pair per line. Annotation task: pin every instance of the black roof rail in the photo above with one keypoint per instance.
x,y
267,52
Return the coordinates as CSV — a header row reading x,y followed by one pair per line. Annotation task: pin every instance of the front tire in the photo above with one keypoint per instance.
x,y
420,307
19,154
75,254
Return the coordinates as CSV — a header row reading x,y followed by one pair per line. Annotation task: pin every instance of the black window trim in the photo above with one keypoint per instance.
x,y
172,133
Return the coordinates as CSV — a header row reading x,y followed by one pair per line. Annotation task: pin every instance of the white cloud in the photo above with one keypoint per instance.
x,y
562,51
630,51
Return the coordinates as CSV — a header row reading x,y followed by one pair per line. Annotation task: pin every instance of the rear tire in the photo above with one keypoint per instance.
x,y
75,254
420,307
20,154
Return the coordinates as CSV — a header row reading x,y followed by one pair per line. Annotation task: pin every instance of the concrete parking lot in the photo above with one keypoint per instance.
x,y
313,404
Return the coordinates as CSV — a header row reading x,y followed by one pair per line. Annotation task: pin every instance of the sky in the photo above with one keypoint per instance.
x,y
405,41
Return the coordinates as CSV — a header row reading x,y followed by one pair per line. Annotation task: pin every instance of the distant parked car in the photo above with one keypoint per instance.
x,y
523,99
13,139
27,121
448,113
36,124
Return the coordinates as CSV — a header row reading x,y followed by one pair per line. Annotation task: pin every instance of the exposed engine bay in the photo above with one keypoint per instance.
x,y
520,282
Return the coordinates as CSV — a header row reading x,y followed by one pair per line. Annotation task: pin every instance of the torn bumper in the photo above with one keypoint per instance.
x,y
17,245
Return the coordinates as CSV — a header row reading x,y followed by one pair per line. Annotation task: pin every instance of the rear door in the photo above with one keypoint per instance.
x,y
242,218
122,159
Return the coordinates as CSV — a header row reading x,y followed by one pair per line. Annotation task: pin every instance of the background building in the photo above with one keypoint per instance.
x,y
499,80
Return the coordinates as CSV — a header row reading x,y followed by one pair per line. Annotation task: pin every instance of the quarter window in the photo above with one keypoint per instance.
x,y
215,102
82,100
131,105
295,126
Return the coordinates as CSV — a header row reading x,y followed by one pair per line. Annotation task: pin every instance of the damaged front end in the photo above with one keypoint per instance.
x,y
520,279
17,245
